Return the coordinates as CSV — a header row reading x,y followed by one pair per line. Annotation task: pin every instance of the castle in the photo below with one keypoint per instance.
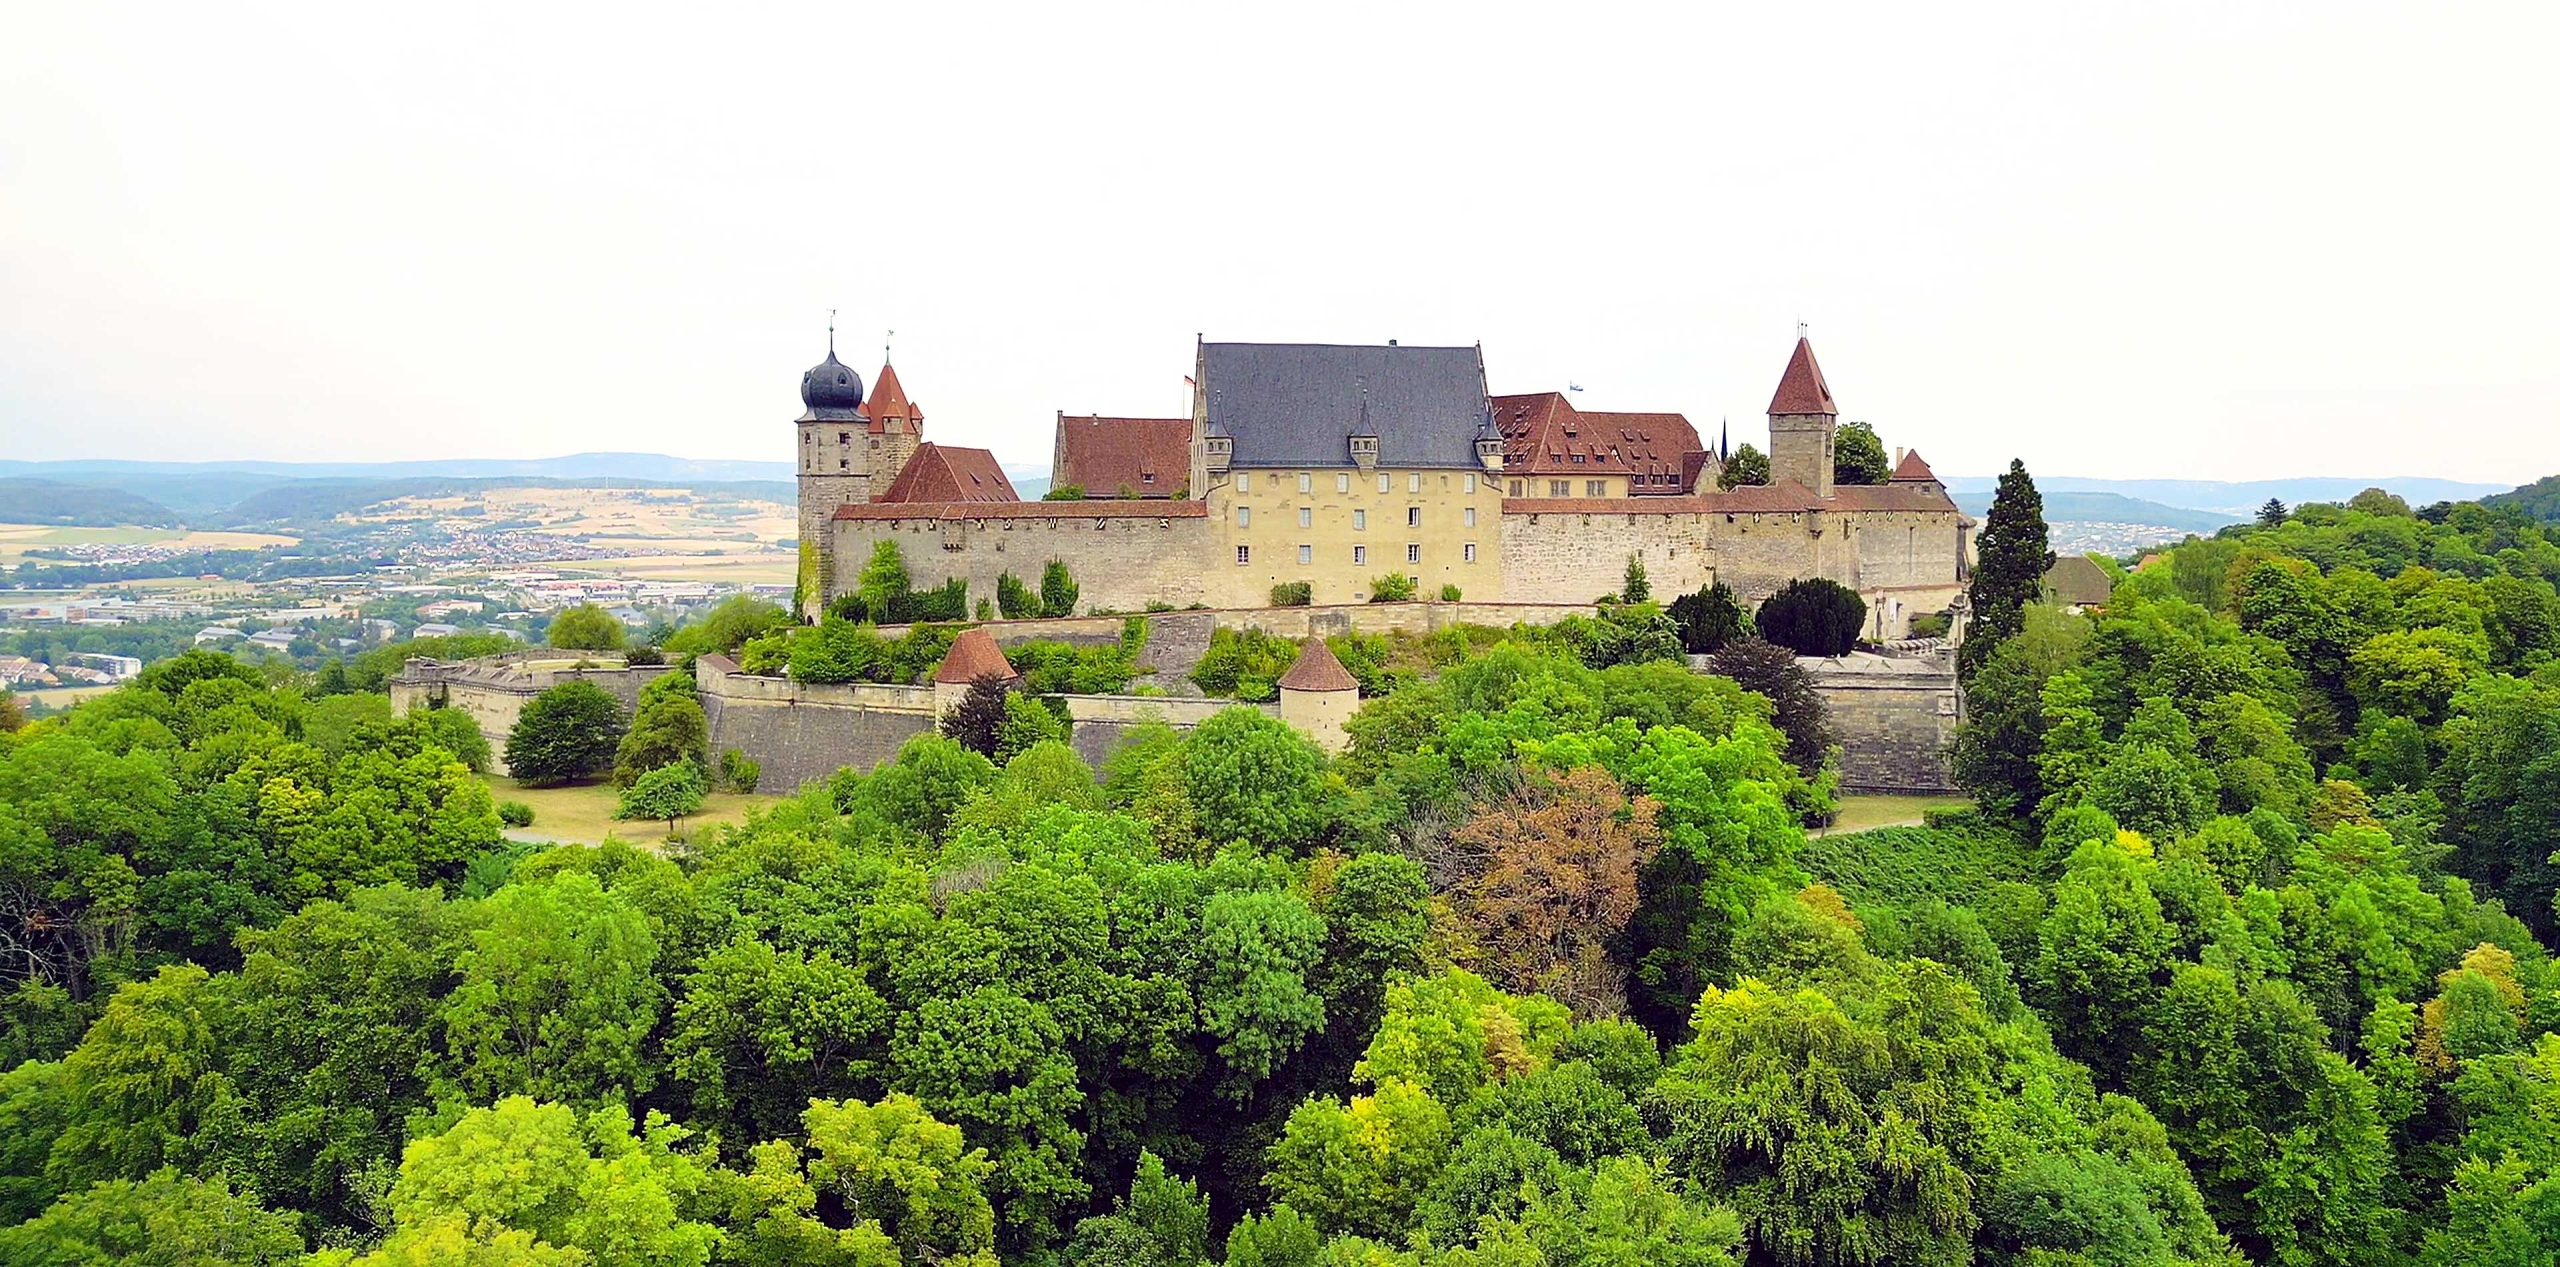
x,y
1337,466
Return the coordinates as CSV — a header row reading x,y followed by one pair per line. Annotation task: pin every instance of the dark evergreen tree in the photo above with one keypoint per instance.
x,y
977,721
1636,588
1770,669
2011,556
1708,619
1817,616
1057,590
2272,513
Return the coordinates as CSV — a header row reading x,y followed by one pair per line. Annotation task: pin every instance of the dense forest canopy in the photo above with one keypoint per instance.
x,y
2243,957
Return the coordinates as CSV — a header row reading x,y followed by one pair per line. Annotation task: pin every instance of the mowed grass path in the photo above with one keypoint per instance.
x,y
1858,813
583,812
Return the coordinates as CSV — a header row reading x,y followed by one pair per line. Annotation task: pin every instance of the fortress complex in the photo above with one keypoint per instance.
x,y
1339,465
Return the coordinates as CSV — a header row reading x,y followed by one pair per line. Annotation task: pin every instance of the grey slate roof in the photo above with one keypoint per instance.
x,y
1299,404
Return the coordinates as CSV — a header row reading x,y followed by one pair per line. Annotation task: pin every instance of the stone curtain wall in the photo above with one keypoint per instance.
x,y
1895,719
1119,563
494,690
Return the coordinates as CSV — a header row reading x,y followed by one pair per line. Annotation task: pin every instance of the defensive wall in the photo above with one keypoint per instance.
x,y
1894,715
1903,558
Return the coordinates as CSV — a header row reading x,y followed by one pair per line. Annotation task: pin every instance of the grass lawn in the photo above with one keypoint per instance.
x,y
1858,813
583,812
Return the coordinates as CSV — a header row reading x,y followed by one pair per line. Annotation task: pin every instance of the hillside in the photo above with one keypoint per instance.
x,y
2110,508
36,501
2540,499
2240,499
629,466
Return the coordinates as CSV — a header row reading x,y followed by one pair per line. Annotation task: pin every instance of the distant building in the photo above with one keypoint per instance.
x,y
275,639
2077,582
118,668
434,630
215,633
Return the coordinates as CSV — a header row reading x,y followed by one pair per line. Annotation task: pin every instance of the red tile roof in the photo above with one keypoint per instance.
x,y
1149,457
938,473
889,399
1317,670
876,511
1749,499
1912,468
973,655
1542,432
1802,390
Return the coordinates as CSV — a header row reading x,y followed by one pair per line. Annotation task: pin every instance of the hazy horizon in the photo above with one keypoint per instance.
x,y
2165,242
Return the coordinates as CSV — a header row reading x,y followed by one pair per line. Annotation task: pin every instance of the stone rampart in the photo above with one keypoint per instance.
x,y
1894,716
493,690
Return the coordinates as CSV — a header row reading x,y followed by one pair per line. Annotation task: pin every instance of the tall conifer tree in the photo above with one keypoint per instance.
x,y
2011,556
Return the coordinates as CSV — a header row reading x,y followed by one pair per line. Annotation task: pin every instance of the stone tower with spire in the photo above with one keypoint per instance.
x,y
851,446
1803,422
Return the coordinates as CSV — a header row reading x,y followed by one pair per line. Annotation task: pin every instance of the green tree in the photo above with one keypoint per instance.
x,y
1028,722
1057,590
1635,588
556,995
1771,671
1813,616
2011,557
883,584
2272,513
913,1177
520,1177
564,734
164,1218
586,627
669,792
1708,619
977,721
1747,466
1013,598
1857,456
1253,778
669,728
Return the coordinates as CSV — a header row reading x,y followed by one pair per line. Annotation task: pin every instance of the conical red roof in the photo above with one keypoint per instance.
x,y
1317,670
973,655
1802,390
1912,468
889,399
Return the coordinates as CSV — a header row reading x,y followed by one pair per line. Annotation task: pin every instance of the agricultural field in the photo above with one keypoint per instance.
x,y
17,539
609,517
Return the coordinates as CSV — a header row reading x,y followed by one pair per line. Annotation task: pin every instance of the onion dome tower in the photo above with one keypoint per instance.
x,y
835,464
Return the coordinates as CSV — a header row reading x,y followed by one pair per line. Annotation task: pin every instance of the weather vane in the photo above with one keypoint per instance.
x,y
885,340
831,332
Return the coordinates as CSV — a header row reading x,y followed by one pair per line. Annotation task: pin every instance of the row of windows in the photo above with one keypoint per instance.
x,y
1342,482
1564,488
1359,554
1359,518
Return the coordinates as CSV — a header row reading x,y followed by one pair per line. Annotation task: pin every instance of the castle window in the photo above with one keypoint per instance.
x,y
1595,488
844,437
1244,555
1471,483
1413,552
1471,552
1244,516
1306,482
1244,481
1360,521
844,464
1515,488
1306,516
1577,459
1413,516
1471,516
1413,482
1342,483
1559,488
1148,478
1359,555
1306,554
1386,482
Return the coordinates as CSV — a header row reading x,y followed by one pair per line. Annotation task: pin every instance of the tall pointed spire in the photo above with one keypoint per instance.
x,y
1802,389
831,333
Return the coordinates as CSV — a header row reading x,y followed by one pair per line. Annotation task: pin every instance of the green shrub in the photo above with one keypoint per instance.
x,y
515,813
1064,493
1057,590
1391,588
1244,664
1050,667
1293,594
1818,616
1452,594
740,771
1708,619
1014,598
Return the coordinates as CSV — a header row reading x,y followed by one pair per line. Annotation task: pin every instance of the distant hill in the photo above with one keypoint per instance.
x,y
2240,499
2540,499
307,500
576,466
34,501
2107,508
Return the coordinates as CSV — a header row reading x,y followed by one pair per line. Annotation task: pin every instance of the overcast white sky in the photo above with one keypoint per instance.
x,y
2210,241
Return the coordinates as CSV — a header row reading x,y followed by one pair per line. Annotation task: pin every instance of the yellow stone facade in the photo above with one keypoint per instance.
x,y
1340,529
